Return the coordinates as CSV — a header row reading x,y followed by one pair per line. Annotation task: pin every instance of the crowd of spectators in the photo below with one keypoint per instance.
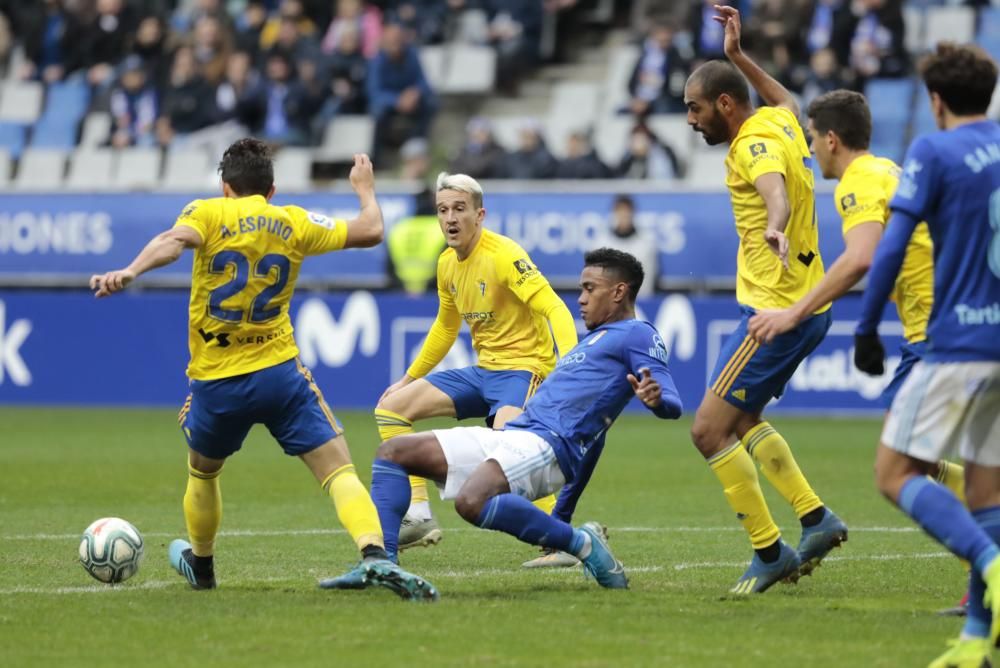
x,y
168,70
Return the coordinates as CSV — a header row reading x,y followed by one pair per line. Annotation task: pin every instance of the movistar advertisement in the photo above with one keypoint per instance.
x,y
131,349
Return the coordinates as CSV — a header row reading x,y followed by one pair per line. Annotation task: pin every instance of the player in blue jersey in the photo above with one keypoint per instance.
x,y
494,475
951,400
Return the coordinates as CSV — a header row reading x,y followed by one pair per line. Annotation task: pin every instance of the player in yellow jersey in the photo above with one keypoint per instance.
x,y
770,181
840,127
244,367
518,325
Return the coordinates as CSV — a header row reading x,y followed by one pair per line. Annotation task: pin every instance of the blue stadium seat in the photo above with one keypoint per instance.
x,y
890,99
54,133
67,100
12,138
923,118
988,35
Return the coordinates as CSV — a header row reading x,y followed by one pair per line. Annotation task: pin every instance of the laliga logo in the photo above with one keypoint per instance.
x,y
322,338
10,345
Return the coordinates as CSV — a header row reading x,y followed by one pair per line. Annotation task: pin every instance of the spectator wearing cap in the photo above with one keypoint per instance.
x,y
656,85
480,157
647,157
134,106
581,160
532,158
398,91
187,99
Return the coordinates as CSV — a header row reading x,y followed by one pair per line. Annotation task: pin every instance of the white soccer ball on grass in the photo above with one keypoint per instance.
x,y
111,549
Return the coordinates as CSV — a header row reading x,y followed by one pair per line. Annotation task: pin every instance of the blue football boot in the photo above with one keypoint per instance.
x,y
818,540
384,573
760,575
600,563
182,559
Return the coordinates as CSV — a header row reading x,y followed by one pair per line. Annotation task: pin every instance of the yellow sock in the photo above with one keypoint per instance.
x,y
771,451
355,509
735,471
393,424
952,476
547,503
202,510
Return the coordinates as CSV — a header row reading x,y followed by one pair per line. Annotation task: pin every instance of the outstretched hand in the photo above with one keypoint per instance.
x,y
729,17
647,389
107,284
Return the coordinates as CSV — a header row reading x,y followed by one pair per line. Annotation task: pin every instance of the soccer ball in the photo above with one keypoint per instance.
x,y
111,549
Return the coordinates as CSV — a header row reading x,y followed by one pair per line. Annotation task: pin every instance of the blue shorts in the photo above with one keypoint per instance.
x,y
478,392
748,375
218,414
911,354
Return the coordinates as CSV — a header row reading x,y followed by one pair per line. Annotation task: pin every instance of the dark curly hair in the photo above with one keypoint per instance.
x,y
247,167
846,113
963,75
623,265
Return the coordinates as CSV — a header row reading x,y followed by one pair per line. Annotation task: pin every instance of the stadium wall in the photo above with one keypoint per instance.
x,y
63,347
55,239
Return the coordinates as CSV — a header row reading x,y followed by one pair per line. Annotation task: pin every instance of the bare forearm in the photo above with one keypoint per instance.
x,y
778,212
769,89
842,275
162,250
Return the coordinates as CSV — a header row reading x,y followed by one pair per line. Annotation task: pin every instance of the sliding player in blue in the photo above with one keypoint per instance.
x,y
494,475
951,400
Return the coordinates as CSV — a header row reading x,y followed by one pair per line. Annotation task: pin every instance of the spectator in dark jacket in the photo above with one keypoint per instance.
x,y
187,99
347,70
398,89
481,157
51,40
869,37
648,157
241,96
581,160
289,106
532,159
515,31
105,38
149,44
657,82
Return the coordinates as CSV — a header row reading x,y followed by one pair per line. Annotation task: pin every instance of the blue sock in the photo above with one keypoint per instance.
x,y
391,495
942,515
523,520
977,621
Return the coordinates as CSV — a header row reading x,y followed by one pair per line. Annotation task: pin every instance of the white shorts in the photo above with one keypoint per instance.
x,y
526,459
947,407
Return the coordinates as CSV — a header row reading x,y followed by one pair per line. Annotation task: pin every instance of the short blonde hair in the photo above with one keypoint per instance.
x,y
463,183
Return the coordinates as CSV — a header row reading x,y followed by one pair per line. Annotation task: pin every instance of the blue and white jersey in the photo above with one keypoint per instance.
x,y
589,388
951,179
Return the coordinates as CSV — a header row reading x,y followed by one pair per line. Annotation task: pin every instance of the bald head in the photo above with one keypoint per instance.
x,y
716,78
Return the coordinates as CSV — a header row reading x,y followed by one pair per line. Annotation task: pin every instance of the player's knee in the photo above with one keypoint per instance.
x,y
469,505
705,438
390,451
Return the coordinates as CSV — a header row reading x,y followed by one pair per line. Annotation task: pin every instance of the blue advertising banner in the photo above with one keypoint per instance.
x,y
53,238
131,349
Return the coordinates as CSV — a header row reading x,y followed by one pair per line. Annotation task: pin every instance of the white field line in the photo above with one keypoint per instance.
x,y
869,557
254,533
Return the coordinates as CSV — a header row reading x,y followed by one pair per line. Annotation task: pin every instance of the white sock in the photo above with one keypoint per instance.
x,y
419,511
585,550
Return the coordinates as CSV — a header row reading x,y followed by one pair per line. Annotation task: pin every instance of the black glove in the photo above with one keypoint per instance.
x,y
869,355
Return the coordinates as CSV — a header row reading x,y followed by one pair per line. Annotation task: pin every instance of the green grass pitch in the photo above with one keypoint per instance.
x,y
872,604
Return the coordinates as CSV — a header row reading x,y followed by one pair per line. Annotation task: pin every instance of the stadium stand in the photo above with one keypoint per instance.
x,y
55,102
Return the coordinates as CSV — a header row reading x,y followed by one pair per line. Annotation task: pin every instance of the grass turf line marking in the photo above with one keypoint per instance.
x,y
870,557
255,533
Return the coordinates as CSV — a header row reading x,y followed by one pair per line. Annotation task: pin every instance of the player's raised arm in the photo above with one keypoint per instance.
x,y
367,229
772,92
163,249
